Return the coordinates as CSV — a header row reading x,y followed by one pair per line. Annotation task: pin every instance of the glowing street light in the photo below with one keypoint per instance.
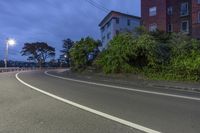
x,y
9,42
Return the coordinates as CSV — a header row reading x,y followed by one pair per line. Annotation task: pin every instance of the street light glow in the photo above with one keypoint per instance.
x,y
11,42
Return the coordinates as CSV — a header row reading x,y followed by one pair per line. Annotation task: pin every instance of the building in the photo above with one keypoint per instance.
x,y
172,16
115,23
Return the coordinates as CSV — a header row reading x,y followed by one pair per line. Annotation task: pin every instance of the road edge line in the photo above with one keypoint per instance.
x,y
104,115
124,88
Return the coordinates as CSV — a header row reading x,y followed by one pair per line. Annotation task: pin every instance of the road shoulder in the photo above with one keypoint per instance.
x,y
133,80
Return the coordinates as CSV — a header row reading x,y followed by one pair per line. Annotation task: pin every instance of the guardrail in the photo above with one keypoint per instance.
x,y
15,69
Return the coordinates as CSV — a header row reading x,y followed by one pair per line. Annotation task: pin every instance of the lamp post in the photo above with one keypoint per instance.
x,y
9,42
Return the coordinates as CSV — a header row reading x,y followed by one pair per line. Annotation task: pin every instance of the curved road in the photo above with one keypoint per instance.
x,y
96,107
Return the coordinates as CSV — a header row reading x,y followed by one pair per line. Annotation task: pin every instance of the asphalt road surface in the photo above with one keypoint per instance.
x,y
35,102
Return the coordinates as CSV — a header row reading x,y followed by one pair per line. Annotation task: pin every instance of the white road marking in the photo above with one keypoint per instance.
x,y
125,88
107,116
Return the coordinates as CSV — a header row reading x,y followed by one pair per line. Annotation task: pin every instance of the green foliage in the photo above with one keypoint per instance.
x,y
140,31
161,36
186,59
80,51
126,53
116,58
158,55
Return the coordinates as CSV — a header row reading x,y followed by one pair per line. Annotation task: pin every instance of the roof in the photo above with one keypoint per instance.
x,y
109,16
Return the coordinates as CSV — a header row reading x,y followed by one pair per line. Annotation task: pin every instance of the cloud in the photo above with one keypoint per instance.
x,y
52,21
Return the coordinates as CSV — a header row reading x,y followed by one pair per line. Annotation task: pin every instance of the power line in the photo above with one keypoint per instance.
x,y
98,5
101,5
99,2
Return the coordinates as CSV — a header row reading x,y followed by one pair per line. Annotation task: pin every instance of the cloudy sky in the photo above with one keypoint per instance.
x,y
52,21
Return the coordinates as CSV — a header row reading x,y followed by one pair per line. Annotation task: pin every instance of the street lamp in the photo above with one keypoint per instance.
x,y
9,42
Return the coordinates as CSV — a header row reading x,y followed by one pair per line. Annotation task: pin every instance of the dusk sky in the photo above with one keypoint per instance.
x,y
52,21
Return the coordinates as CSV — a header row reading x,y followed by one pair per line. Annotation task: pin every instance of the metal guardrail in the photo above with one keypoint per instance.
x,y
16,69
13,69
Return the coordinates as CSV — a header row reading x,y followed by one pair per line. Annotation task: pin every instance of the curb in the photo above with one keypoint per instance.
x,y
177,88
146,83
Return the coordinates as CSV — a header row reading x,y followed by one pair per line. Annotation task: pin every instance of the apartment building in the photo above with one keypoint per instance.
x,y
172,16
115,23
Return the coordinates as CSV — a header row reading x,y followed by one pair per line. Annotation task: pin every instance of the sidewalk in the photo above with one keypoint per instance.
x,y
134,80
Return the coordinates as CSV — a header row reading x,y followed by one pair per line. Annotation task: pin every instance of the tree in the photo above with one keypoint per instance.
x,y
81,52
67,45
38,52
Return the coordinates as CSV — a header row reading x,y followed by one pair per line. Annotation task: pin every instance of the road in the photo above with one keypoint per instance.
x,y
37,102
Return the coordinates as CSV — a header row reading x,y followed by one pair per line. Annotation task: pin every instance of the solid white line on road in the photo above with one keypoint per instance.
x,y
124,88
110,117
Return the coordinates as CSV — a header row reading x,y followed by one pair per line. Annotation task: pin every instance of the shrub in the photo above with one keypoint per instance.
x,y
158,55
186,59
127,53
115,59
80,51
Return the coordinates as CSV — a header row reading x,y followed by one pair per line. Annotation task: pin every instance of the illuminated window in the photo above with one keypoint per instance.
x,y
152,11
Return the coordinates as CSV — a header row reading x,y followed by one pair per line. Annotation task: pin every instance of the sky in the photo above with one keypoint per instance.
x,y
52,21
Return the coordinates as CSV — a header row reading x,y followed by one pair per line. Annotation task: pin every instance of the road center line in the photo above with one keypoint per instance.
x,y
110,117
124,88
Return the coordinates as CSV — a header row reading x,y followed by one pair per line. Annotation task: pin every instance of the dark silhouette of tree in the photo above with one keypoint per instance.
x,y
67,45
38,52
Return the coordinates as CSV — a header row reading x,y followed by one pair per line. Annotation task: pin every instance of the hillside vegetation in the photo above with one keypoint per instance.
x,y
157,55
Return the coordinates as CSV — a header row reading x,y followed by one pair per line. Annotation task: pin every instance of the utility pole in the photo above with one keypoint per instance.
x,y
9,42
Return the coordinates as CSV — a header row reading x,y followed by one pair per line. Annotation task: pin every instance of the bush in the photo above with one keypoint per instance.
x,y
115,59
158,55
80,51
186,59
127,53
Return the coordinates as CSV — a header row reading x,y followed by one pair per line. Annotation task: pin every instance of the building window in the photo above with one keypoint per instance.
x,y
152,27
184,9
199,17
128,22
103,39
117,20
170,10
103,29
108,36
185,26
198,1
117,32
170,28
108,24
152,11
